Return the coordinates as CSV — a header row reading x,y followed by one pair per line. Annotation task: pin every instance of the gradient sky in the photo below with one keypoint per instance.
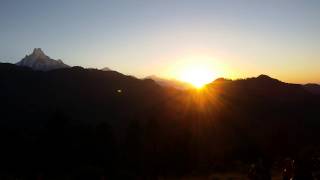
x,y
240,38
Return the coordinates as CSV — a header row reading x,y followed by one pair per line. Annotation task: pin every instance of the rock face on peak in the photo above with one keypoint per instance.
x,y
106,69
38,60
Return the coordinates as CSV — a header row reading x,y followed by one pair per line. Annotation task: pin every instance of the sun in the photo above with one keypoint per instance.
x,y
197,70
198,76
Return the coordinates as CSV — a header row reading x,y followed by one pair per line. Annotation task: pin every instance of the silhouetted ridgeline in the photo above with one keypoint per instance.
x,y
84,123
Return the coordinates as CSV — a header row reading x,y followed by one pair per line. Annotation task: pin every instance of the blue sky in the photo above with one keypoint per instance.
x,y
242,37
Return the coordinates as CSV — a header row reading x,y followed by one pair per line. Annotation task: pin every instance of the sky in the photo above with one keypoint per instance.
x,y
235,39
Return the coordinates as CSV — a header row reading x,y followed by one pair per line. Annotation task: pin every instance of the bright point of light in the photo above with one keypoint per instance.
x,y
197,70
198,76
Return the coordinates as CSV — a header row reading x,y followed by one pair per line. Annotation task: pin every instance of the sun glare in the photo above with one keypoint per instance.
x,y
197,70
197,76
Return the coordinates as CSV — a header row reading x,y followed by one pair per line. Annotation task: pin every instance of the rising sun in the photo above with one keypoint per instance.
x,y
197,70
198,76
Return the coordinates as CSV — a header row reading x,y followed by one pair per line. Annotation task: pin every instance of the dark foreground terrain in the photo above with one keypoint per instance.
x,y
77,123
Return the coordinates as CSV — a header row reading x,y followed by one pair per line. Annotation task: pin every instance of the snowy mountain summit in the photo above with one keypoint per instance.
x,y
38,60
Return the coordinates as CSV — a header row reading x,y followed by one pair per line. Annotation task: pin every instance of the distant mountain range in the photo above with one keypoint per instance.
x,y
172,83
38,60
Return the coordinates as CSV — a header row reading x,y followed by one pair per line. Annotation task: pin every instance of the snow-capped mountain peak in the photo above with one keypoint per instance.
x,y
38,60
